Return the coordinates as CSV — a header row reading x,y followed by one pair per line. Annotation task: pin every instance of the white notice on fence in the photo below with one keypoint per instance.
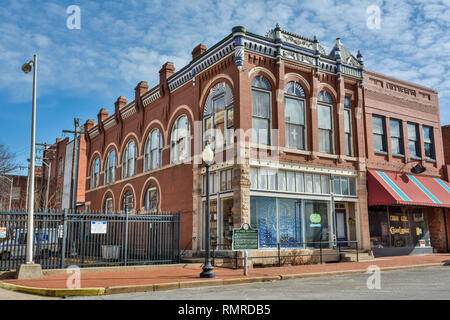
x,y
98,227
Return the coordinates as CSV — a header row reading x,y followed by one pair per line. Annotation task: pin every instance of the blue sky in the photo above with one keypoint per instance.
x,y
123,42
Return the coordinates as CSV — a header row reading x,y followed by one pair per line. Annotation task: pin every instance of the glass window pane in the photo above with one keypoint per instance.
x,y
272,177
352,182
324,117
300,185
261,130
412,131
378,143
294,136
254,178
316,223
316,181
260,104
337,185
294,111
289,217
282,180
325,184
413,150
324,141
308,183
344,185
290,178
263,214
377,124
395,128
262,179
347,121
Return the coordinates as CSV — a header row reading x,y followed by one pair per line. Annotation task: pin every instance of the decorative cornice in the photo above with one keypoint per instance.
x,y
128,111
151,97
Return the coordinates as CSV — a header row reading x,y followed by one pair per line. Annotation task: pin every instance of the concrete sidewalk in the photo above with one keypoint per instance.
x,y
138,279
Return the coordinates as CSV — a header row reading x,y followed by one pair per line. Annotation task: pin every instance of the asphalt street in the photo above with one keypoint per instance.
x,y
421,283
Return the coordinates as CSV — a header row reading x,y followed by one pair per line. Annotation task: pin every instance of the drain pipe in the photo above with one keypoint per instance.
x,y
445,228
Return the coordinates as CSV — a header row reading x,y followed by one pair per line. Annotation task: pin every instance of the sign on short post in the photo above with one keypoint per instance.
x,y
98,227
3,232
245,238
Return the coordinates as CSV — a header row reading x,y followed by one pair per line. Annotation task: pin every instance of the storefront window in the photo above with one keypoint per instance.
x,y
281,220
227,223
316,222
398,227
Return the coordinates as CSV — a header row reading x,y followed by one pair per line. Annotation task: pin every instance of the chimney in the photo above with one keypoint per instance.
x,y
58,140
166,71
102,115
141,89
198,50
119,104
89,124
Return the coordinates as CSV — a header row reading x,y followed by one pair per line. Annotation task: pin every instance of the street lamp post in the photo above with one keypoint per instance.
x,y
208,269
26,68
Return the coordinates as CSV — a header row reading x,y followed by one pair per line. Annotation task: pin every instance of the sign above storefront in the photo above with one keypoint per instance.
x,y
245,238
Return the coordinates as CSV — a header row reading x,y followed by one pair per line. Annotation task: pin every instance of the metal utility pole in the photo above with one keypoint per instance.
x,y
26,68
75,156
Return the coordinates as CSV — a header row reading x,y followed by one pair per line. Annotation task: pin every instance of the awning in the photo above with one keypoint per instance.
x,y
388,188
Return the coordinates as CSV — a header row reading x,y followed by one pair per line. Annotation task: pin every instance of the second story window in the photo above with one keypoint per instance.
x,y
348,127
128,202
95,173
414,141
109,205
153,151
396,137
261,110
129,160
428,140
110,168
379,134
294,115
218,116
325,114
151,199
180,147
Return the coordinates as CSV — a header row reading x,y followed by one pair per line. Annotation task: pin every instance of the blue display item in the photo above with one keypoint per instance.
x,y
290,223
266,212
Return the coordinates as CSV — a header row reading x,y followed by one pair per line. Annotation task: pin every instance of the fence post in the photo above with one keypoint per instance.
x,y
339,250
63,253
357,255
279,255
236,259
320,246
126,237
179,236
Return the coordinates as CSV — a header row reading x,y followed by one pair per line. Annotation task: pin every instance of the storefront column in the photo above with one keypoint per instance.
x,y
197,219
362,212
241,193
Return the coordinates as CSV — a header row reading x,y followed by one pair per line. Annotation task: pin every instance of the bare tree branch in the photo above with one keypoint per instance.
x,y
7,160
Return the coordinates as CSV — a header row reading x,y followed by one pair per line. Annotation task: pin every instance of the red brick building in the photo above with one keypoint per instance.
x,y
292,136
13,189
61,162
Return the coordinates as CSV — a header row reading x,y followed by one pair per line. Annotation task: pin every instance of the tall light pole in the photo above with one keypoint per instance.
x,y
208,269
26,68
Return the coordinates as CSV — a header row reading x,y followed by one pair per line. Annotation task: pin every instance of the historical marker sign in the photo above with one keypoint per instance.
x,y
245,238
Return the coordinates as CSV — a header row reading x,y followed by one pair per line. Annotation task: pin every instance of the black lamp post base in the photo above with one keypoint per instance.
x,y
208,272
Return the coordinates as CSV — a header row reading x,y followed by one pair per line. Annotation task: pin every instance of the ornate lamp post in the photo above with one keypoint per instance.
x,y
208,269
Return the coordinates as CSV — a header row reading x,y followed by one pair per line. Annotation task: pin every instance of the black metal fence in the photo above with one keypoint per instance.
x,y
62,239
292,253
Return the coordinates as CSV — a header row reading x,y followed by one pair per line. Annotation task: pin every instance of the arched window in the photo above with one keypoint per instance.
x,y
325,114
110,168
294,115
153,151
109,205
218,116
151,199
261,110
128,202
95,172
180,146
129,160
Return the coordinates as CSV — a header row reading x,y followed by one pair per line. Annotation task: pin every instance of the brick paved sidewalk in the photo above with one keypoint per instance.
x,y
191,273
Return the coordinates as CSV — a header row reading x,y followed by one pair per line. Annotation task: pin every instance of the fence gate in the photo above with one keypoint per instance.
x,y
63,239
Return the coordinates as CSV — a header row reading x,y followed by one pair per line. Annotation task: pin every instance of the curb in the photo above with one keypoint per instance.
x,y
190,284
54,292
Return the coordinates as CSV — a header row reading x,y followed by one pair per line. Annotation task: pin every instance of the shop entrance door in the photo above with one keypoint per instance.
x,y
341,226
